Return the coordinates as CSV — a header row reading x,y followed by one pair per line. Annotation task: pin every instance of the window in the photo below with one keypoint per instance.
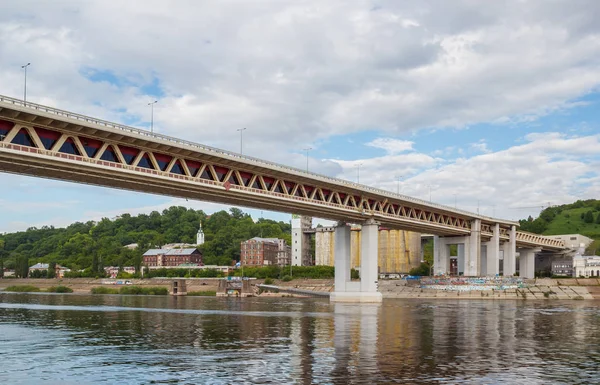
x,y
573,238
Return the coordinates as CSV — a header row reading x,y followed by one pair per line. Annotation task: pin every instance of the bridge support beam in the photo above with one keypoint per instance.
x,y
366,290
460,259
510,250
473,256
527,262
441,256
493,253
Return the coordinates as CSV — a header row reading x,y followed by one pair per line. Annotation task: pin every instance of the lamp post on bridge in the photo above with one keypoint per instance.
x,y
151,104
398,186
25,85
307,150
358,172
241,131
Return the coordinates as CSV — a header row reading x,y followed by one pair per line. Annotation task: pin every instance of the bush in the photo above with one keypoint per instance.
x,y
207,293
422,270
59,289
22,289
286,278
104,290
268,281
138,290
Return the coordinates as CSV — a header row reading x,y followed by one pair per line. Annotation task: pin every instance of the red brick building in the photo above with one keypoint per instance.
x,y
259,251
171,257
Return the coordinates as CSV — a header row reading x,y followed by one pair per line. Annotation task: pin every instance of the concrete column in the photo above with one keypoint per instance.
x,y
527,263
510,251
473,256
483,264
369,249
342,257
493,253
366,290
441,256
460,258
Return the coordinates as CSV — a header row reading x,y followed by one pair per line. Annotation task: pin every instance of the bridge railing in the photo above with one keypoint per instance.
x,y
209,149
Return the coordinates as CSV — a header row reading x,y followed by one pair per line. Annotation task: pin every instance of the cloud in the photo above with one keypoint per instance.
x,y
548,167
480,146
299,73
303,70
391,146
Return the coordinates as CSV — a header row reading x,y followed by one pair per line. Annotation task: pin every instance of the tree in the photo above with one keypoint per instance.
x,y
51,270
589,217
22,266
598,219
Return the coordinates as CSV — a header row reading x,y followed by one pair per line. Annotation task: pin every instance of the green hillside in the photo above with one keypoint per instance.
x,y
92,245
581,217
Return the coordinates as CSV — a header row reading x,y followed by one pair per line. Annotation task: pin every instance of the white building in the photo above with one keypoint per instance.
x,y
200,236
573,241
301,240
586,266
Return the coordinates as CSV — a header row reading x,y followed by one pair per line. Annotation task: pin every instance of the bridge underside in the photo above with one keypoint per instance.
x,y
93,174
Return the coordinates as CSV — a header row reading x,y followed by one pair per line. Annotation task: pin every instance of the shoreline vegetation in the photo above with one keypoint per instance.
x,y
35,289
131,290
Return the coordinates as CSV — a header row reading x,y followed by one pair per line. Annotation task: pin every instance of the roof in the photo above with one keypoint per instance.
x,y
153,252
259,239
45,266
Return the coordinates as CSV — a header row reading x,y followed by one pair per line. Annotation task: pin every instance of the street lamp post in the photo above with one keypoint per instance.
x,y
241,130
307,150
25,85
454,200
151,104
398,187
358,173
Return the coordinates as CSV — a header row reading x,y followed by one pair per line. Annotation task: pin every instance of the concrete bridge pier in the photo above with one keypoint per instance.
x,y
492,253
509,249
527,262
366,290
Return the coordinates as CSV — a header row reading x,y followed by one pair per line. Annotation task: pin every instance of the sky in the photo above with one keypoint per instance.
x,y
492,107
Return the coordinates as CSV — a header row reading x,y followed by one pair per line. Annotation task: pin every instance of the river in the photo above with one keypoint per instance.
x,y
85,339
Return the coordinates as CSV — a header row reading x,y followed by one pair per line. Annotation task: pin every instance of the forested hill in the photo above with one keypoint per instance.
x,y
81,245
581,217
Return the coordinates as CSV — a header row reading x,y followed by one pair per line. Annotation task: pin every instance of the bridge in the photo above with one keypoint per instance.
x,y
46,142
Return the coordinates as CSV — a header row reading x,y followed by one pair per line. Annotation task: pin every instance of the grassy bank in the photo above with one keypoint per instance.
x,y
131,290
34,289
23,289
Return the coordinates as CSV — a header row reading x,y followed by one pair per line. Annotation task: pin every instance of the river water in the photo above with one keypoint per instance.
x,y
81,339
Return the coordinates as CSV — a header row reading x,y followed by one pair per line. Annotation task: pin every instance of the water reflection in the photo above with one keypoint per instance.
x,y
109,339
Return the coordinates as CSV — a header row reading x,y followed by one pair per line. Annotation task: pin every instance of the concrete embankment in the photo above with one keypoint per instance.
x,y
531,289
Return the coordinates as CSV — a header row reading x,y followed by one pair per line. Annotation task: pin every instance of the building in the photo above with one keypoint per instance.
x,y
398,251
59,270
171,257
131,246
586,266
301,224
562,268
261,251
573,241
113,271
170,246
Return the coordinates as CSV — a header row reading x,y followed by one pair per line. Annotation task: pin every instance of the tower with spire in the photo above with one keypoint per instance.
x,y
200,236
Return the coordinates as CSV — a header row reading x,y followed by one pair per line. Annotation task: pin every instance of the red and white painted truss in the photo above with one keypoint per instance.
x,y
41,141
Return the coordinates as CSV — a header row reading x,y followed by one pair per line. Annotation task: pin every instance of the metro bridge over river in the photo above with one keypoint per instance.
x,y
46,142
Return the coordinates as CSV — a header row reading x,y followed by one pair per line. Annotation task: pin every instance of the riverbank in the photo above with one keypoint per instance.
x,y
544,288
